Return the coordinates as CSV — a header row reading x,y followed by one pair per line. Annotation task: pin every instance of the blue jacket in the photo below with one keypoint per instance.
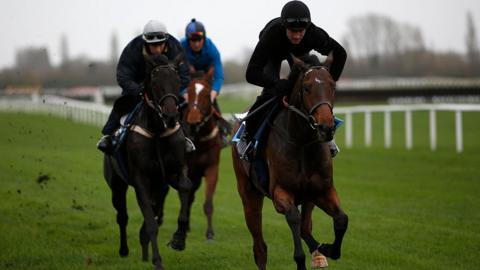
x,y
131,65
208,56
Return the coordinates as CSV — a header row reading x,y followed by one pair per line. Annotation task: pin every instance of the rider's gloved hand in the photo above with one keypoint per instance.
x,y
283,87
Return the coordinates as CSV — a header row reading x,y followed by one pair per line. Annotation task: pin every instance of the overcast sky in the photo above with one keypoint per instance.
x,y
233,25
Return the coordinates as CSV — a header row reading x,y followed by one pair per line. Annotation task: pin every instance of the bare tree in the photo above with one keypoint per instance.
x,y
473,53
64,50
377,35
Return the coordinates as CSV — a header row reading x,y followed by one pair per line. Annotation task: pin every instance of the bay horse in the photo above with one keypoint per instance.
x,y
299,167
201,118
153,157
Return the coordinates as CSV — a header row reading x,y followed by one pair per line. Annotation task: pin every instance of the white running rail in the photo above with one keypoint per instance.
x,y
97,114
407,109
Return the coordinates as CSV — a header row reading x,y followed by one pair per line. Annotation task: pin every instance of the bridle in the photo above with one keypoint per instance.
x,y
204,110
304,112
156,103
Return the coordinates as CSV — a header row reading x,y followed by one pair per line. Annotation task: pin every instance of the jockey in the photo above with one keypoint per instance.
x,y
202,54
155,40
292,33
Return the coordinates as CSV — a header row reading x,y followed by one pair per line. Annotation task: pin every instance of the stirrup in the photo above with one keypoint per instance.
x,y
244,148
189,145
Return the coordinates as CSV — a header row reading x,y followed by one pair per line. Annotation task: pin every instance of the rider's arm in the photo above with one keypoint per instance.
x,y
183,68
324,45
218,77
128,69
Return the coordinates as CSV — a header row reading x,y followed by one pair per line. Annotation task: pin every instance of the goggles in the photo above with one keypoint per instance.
x,y
297,23
155,36
195,36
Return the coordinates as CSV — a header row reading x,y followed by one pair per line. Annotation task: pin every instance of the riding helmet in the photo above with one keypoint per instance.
x,y
195,30
295,14
154,32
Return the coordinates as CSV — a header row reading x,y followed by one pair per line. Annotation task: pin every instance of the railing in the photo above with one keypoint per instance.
x,y
97,114
79,111
407,109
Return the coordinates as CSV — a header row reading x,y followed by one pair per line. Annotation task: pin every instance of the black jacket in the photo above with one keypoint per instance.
x,y
274,47
131,66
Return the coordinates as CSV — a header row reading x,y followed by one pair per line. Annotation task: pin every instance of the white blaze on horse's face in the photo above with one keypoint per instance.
x,y
198,88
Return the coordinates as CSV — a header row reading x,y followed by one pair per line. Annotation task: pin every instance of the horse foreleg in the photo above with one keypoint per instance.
x,y
306,227
150,228
318,259
119,201
211,178
184,187
331,205
284,203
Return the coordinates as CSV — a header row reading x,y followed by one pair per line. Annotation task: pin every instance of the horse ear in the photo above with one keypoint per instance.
x,y
297,61
297,67
178,60
328,61
209,75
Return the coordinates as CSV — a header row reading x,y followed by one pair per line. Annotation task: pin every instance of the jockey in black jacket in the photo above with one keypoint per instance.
x,y
292,33
155,40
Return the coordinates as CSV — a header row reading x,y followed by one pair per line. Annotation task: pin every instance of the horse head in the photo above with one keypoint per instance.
x,y
313,96
200,107
161,87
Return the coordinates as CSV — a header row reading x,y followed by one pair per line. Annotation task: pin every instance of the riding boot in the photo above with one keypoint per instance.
x,y
334,149
105,144
246,143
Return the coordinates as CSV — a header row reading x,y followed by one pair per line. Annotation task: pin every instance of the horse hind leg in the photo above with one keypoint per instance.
x,y
252,208
331,205
211,178
119,201
252,201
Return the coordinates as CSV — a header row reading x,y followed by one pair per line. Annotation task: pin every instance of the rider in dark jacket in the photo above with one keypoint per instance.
x,y
292,33
155,40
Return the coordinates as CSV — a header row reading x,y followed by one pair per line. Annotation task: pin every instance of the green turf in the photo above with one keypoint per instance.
x,y
408,209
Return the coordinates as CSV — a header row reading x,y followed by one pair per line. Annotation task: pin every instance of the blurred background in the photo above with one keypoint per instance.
x,y
59,47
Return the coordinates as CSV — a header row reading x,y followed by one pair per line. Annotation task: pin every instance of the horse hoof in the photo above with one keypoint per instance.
x,y
329,251
318,260
210,236
123,252
176,244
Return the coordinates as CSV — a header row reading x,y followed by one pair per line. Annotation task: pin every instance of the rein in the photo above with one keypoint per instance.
x,y
308,116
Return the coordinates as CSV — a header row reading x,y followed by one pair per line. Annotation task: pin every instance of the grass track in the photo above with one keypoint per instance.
x,y
408,209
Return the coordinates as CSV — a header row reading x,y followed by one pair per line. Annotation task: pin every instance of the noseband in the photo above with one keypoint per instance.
x,y
310,116
156,103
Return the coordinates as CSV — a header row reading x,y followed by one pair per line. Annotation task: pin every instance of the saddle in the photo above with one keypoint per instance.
x,y
259,170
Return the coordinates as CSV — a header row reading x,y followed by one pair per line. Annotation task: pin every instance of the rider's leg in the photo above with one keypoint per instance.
x,y
105,143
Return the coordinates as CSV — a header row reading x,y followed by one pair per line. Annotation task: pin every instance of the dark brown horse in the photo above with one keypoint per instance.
x,y
154,157
300,169
201,118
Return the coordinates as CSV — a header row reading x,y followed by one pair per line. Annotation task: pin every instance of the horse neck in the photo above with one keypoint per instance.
x,y
148,119
207,128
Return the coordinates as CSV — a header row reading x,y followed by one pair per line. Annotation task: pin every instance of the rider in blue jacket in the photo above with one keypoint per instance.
x,y
202,54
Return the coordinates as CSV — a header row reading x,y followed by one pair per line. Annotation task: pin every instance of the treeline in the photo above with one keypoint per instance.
x,y
377,46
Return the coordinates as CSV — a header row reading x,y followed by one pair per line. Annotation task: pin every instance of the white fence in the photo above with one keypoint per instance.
x,y
79,111
407,109
97,114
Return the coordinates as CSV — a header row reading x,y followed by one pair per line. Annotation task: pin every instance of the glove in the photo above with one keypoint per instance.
x,y
282,87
